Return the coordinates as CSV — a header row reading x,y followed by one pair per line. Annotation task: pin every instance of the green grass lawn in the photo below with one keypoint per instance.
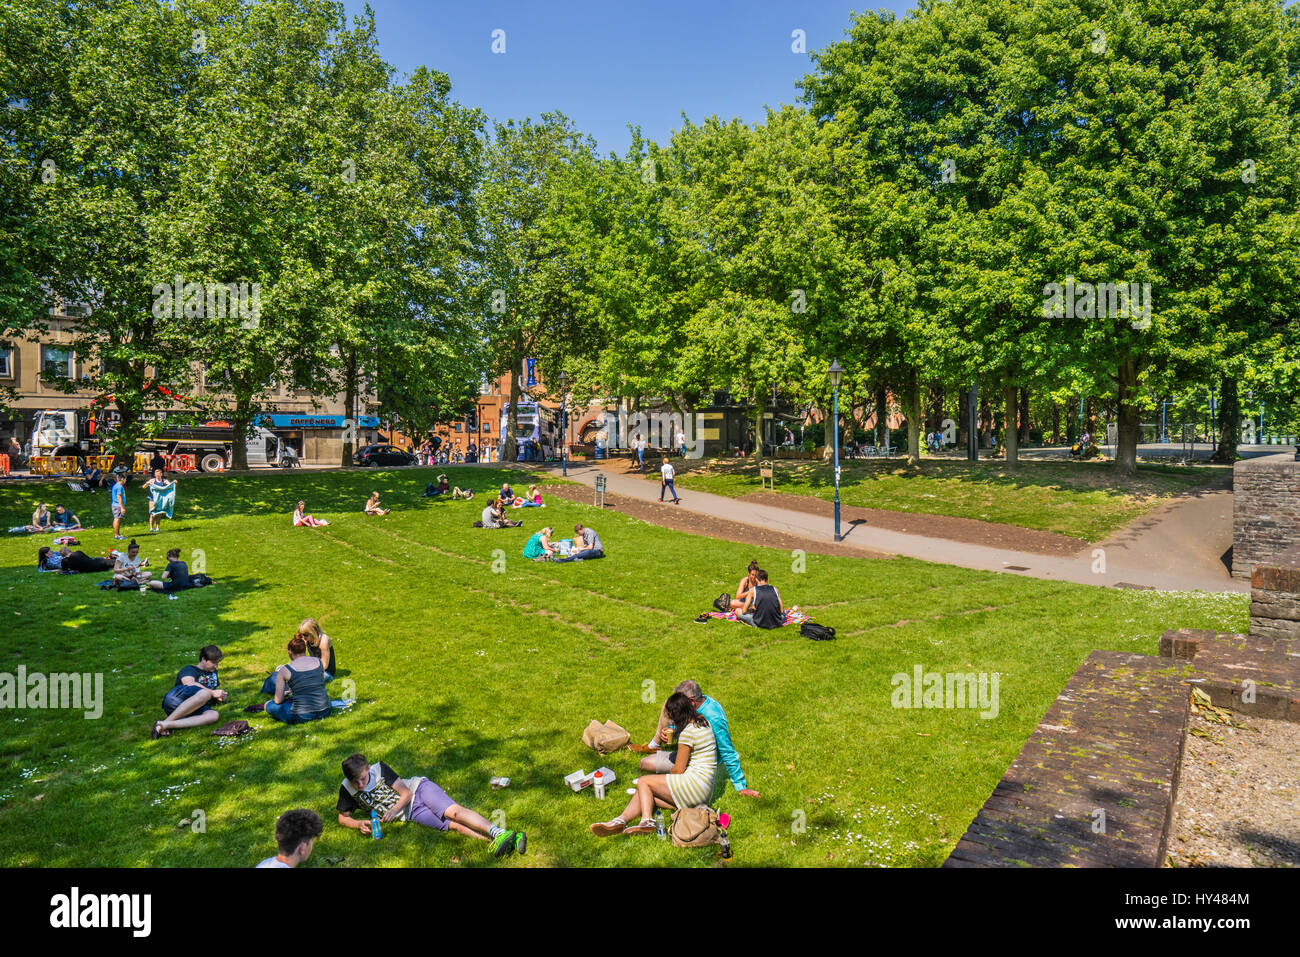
x,y
1084,499
463,672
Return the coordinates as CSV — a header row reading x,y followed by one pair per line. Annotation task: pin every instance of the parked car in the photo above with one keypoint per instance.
x,y
383,455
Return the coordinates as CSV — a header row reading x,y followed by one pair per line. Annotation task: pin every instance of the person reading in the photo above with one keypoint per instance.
x,y
65,520
373,507
130,568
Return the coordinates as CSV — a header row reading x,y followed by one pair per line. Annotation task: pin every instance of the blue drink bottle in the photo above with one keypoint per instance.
x,y
376,831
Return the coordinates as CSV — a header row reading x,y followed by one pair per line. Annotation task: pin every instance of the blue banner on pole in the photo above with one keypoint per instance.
x,y
530,375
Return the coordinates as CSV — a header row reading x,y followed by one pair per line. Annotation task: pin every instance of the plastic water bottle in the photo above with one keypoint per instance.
x,y
598,784
660,830
376,831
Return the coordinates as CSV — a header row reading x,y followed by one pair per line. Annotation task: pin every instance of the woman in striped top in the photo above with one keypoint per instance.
x,y
689,784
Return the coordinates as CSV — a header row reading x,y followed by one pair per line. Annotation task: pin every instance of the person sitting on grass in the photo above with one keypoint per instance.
x,y
66,560
94,477
65,520
373,507
539,547
745,586
130,570
42,521
300,517
300,694
494,516
763,607
189,703
534,499
507,496
442,488
689,783
376,788
295,836
319,645
586,544
175,577
660,759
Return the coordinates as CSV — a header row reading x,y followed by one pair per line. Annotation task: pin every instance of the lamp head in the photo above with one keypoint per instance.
x,y
834,373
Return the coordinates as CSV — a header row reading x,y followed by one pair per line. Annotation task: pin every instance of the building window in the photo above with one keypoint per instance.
x,y
487,428
56,361
6,361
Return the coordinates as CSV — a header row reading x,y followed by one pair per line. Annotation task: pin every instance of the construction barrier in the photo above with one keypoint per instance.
x,y
4,464
181,463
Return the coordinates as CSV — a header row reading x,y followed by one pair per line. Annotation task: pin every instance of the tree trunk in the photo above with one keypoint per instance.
x,y
882,415
828,434
758,428
912,410
1229,422
985,420
1056,423
963,417
934,414
509,452
1130,422
1024,417
1011,434
239,444
350,405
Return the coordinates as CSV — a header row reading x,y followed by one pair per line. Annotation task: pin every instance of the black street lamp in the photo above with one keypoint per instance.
x,y
834,373
564,438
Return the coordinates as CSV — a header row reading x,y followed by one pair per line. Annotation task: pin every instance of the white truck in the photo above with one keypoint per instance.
x,y
68,432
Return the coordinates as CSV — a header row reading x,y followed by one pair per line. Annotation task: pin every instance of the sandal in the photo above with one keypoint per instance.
x,y
159,731
703,618
645,827
609,828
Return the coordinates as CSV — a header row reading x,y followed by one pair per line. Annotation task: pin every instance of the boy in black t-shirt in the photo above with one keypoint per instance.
x,y
763,606
189,703
376,788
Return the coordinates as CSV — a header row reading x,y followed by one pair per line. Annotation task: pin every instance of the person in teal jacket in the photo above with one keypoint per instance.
x,y
661,760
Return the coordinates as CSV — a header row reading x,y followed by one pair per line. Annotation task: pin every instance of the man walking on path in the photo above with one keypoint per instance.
x,y
666,483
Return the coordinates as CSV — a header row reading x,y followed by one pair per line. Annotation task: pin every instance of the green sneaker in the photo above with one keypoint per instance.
x,y
503,844
521,842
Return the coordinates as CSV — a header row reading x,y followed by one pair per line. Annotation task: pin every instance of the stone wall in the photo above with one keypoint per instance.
x,y
1275,597
1265,511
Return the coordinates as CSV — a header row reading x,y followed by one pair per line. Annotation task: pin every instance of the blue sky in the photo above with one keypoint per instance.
x,y
608,64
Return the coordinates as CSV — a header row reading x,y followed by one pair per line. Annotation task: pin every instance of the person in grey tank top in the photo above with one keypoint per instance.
x,y
304,676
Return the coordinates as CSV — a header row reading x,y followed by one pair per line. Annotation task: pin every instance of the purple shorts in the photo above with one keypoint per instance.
x,y
429,806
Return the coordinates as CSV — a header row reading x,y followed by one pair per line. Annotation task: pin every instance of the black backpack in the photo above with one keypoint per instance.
x,y
816,632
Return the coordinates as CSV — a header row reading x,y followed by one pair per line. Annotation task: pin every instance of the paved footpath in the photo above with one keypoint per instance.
x,y
1173,548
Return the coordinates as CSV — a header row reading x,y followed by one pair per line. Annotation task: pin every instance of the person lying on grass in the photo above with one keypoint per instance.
x,y
300,517
586,545
175,577
442,488
539,547
65,520
300,694
373,507
295,836
65,559
189,703
130,568
534,499
763,606
319,645
660,758
376,788
689,783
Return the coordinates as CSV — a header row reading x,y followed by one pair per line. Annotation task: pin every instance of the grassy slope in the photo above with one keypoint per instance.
x,y
462,673
1083,499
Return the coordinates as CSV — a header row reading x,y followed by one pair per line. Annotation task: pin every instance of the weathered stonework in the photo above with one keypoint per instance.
x,y
1265,511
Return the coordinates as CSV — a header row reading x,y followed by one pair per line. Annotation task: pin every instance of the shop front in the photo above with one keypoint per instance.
x,y
318,439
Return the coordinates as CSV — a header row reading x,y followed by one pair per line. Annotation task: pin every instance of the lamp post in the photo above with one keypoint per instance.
x,y
834,373
564,438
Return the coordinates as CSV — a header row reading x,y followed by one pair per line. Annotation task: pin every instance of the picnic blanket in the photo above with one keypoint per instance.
x,y
793,616
162,500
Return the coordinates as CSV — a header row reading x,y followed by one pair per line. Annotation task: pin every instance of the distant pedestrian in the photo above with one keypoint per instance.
x,y
681,443
639,444
117,501
666,482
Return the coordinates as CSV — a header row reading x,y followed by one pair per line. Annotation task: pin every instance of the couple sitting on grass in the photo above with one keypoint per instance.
x,y
685,774
756,603
494,516
375,789
298,688
586,545
43,520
